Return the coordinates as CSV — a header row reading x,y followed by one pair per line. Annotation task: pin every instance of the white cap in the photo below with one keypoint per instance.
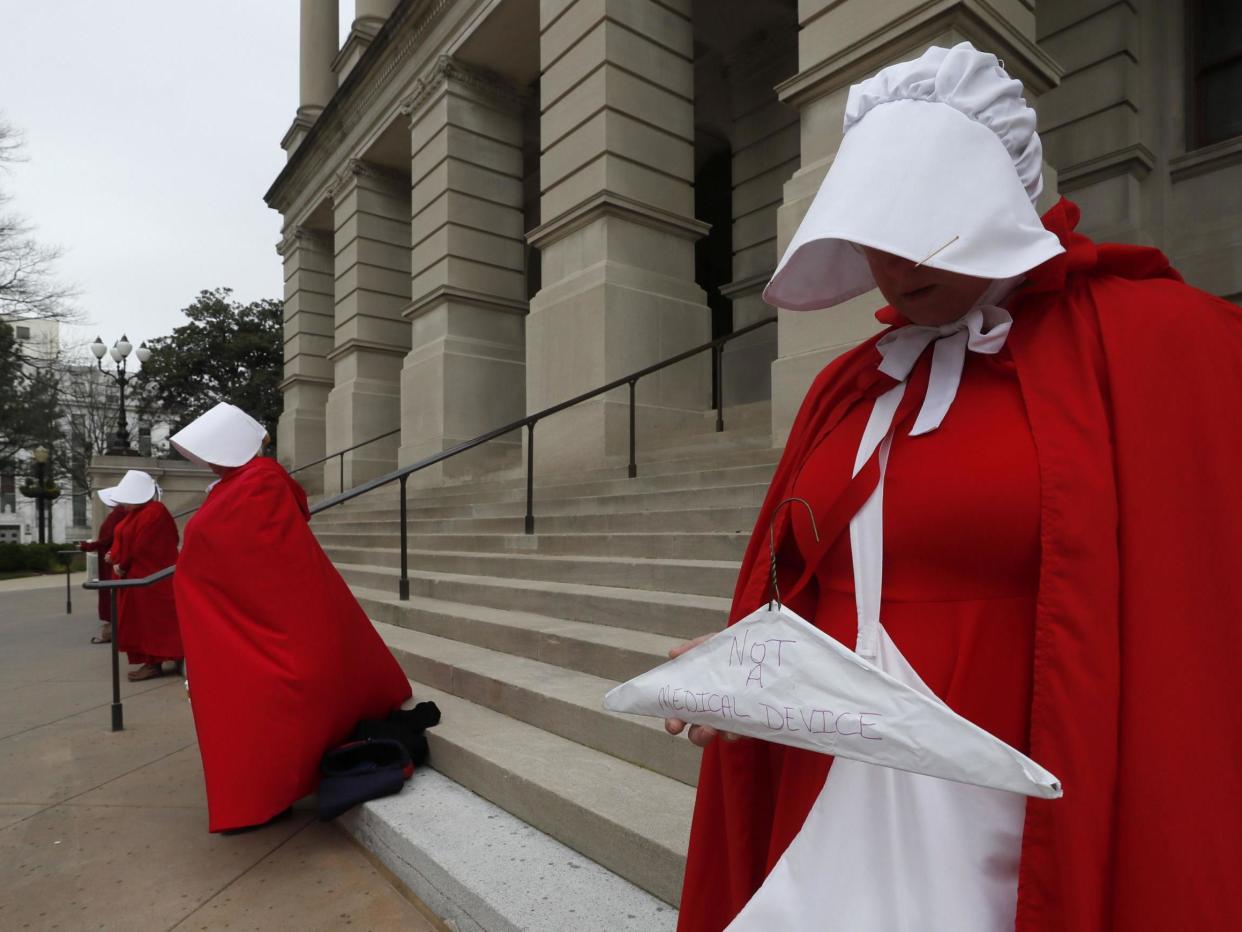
x,y
224,436
135,488
940,163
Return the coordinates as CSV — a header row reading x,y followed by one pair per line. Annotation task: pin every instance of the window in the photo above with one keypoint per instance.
x,y
1215,55
8,492
23,333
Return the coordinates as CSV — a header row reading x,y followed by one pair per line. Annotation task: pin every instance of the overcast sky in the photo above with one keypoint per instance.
x,y
152,130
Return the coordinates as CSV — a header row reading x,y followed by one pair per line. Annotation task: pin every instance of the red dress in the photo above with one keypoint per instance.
x,y
1132,389
101,545
282,661
961,563
144,542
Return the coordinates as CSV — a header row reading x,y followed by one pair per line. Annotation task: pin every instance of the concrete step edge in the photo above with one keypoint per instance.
x,y
629,820
650,596
555,699
471,862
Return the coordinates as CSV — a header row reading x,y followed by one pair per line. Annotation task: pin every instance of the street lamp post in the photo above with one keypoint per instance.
x,y
119,352
41,490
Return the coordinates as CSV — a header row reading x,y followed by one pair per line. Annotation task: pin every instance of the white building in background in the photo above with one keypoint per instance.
x,y
89,401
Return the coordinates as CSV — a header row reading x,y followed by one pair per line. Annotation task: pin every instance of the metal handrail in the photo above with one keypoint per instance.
x,y
340,454
112,585
70,554
403,474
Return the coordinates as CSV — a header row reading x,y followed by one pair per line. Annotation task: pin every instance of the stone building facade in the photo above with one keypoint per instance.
x,y
491,206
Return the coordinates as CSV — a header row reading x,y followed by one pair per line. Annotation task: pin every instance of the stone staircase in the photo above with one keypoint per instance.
x,y
517,637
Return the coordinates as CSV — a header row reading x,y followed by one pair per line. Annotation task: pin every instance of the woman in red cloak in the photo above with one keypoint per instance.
x,y
1058,554
145,540
282,662
101,545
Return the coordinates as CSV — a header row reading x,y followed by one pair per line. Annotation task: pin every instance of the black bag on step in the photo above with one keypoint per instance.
x,y
361,770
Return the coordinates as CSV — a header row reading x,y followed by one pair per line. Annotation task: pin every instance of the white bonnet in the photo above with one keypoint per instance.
x,y
939,163
973,83
224,436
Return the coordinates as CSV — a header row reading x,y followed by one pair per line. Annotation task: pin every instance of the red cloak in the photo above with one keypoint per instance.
x,y
282,661
101,545
145,541
1132,383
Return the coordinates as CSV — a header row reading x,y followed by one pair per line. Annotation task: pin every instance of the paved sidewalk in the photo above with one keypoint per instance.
x,y
109,831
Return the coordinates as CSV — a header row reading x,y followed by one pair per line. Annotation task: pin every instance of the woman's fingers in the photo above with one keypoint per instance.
x,y
674,726
682,648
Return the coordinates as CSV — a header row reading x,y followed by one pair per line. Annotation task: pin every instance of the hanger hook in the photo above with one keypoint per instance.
x,y
772,539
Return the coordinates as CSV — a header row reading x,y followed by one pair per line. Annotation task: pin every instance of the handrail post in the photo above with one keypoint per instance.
x,y
403,587
718,352
530,477
118,721
633,432
68,588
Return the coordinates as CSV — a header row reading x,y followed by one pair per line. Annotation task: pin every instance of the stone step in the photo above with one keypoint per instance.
x,y
672,614
698,577
750,493
691,521
471,862
600,650
728,546
563,702
632,821
706,477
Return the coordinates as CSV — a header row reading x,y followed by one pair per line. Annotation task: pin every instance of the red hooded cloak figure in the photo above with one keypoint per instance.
x,y
144,541
1060,559
281,660
101,545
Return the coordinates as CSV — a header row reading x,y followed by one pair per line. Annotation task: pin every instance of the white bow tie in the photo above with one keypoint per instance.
x,y
983,330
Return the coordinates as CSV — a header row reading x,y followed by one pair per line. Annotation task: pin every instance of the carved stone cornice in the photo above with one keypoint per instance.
x,y
395,45
301,236
451,293
1136,160
353,344
611,204
483,83
355,169
978,20
751,284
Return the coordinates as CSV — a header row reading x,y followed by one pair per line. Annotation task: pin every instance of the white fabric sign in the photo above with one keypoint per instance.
x,y
775,676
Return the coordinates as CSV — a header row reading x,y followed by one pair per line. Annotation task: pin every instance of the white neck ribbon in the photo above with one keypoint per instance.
x,y
983,330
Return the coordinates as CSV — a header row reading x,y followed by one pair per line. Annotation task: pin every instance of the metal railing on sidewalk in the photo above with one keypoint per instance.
x,y
402,475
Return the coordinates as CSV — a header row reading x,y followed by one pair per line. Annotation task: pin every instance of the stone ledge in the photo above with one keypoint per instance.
x,y
1135,159
485,870
1208,159
973,18
610,204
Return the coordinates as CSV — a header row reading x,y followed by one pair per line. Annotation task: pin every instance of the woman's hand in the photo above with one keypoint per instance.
x,y
701,735
120,573
108,557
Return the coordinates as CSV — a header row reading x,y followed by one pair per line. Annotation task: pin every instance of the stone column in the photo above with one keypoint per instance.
x,y
308,317
371,207
369,18
618,228
1092,125
465,373
316,82
839,43
765,139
